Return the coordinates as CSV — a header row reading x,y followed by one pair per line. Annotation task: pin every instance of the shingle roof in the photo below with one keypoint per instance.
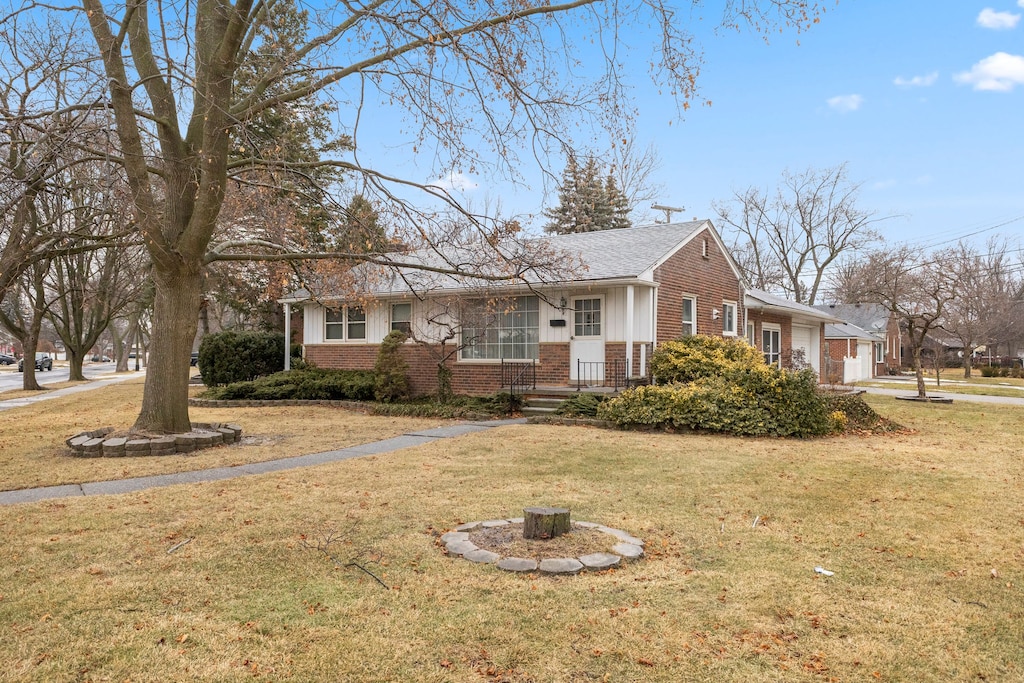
x,y
759,299
626,252
869,317
848,331
605,255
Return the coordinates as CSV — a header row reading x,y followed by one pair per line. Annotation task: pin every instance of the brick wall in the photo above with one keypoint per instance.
x,y
689,273
470,378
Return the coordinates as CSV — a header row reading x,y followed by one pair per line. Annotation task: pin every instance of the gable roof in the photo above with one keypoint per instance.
x,y
759,300
606,255
872,318
627,252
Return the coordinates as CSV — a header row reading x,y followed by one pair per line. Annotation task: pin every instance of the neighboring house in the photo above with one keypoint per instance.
x,y
787,333
637,288
852,354
883,334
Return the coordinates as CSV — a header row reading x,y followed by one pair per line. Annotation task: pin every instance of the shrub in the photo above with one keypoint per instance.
x,y
988,371
580,405
309,384
759,401
699,356
227,357
391,381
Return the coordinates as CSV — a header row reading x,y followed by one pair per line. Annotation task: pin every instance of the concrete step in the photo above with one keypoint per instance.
x,y
543,402
529,411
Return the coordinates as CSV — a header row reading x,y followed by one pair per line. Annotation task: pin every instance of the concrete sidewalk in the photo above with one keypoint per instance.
x,y
92,383
102,488
933,390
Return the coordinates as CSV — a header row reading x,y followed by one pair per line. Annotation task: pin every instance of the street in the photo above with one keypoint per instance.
x,y
10,378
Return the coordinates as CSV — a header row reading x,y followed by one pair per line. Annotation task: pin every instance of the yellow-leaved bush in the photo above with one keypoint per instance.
x,y
723,385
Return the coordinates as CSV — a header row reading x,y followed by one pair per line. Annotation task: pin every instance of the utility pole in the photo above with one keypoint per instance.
x,y
669,210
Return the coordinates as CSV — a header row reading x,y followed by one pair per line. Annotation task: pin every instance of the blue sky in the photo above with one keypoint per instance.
x,y
922,100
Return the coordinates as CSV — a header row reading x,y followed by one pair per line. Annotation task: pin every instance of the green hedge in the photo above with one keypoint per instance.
x,y
227,357
311,384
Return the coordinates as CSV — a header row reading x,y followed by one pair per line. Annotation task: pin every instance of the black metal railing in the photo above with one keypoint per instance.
x,y
601,374
518,376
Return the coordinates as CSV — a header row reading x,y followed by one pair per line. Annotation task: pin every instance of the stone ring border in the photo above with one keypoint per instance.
x,y
95,444
457,543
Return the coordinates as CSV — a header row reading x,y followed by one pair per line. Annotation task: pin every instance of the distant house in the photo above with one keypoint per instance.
x,y
871,334
789,334
636,288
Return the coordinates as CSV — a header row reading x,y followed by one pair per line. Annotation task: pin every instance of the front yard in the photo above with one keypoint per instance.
x,y
923,531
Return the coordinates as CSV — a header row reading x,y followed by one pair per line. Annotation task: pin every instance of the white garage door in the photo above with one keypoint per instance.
x,y
802,342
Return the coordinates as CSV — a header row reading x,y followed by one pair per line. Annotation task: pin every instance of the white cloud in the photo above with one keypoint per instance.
x,y
456,181
1001,72
845,103
884,184
998,21
918,81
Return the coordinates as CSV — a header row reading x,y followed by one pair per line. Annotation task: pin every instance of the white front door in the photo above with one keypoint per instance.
x,y
865,352
586,346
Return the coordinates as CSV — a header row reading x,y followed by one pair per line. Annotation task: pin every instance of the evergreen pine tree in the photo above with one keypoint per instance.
x,y
586,202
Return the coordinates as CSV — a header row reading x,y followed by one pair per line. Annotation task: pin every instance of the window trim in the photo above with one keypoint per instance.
x,y
731,332
535,309
600,324
407,329
693,312
751,333
879,352
344,323
771,328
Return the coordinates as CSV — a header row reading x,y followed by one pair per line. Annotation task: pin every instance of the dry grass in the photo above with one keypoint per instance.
x,y
912,525
32,438
22,393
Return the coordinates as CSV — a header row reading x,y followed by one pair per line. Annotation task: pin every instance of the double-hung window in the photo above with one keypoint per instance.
x,y
347,323
879,352
689,316
401,318
729,318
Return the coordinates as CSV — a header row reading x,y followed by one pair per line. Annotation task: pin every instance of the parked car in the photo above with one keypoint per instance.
x,y
100,359
194,362
43,362
6,359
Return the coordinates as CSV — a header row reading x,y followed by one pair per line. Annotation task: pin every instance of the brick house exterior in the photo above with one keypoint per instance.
x,y
870,333
639,287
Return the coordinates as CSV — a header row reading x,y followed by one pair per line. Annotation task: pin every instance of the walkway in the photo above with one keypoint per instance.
x,y
92,383
933,390
102,488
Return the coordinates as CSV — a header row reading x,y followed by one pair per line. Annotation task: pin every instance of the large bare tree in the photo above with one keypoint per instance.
x,y
787,239
917,287
986,283
475,82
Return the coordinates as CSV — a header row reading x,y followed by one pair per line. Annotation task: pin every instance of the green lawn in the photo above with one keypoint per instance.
x,y
923,530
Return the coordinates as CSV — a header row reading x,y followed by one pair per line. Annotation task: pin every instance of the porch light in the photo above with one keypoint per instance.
x,y
715,314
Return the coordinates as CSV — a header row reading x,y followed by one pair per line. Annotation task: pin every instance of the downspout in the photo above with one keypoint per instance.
x,y
630,294
287,336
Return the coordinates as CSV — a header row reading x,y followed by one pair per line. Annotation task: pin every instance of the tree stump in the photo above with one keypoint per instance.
x,y
545,523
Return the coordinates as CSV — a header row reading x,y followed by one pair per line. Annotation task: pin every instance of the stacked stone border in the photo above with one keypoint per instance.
x,y
457,544
96,444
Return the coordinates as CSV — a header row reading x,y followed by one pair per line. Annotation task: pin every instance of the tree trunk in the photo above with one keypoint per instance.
x,y
75,359
175,319
28,347
967,365
919,372
545,523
